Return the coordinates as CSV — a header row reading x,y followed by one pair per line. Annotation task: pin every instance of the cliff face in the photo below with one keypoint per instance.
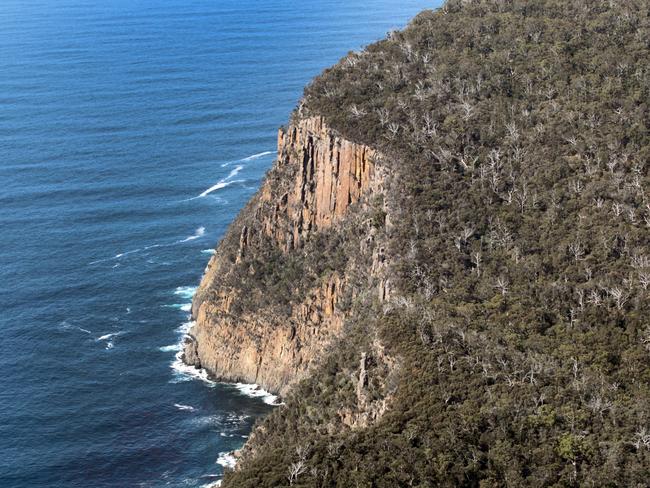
x,y
316,180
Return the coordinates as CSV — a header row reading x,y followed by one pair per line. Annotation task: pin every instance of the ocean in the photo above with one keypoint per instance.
x,y
131,133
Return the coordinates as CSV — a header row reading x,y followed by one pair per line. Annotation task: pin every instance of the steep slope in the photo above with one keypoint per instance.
x,y
511,220
246,332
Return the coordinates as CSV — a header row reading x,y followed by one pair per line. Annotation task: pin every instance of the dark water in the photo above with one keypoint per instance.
x,y
114,116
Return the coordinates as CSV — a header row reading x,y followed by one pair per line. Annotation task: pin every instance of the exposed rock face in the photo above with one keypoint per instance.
x,y
316,179
331,174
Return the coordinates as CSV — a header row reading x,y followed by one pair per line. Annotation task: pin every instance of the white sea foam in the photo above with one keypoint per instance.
x,y
254,391
127,253
224,182
171,348
109,345
183,372
208,251
185,291
248,158
221,184
216,484
227,460
107,336
257,156
185,307
187,408
67,326
185,327
234,172
198,233
218,186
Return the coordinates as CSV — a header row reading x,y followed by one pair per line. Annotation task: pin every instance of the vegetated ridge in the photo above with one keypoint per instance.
x,y
447,271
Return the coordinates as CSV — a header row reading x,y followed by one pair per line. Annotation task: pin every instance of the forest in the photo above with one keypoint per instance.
x,y
515,347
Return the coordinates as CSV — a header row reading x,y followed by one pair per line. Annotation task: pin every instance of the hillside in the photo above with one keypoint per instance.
x,y
447,271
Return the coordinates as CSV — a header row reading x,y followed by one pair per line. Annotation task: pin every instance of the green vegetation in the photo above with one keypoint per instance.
x,y
515,348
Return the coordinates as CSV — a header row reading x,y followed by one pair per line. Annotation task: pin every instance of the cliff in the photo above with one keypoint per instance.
x,y
317,181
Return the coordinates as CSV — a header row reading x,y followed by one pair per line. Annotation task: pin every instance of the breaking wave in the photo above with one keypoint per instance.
x,y
185,328
227,460
185,291
234,172
257,156
216,484
187,408
198,233
248,158
185,307
218,186
223,183
107,336
183,372
67,326
254,391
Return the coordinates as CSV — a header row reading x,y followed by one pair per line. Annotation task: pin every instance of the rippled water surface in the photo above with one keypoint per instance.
x,y
131,132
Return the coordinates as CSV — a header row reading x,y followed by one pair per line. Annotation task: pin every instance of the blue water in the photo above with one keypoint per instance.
x,y
114,116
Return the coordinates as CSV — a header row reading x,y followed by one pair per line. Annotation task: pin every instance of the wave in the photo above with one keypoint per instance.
x,y
248,158
187,408
183,372
216,484
227,460
218,186
234,172
208,251
257,156
185,327
171,348
254,391
67,326
122,254
224,182
185,307
107,336
126,253
185,291
198,233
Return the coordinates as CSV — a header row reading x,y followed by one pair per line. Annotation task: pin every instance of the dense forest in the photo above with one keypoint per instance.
x,y
515,347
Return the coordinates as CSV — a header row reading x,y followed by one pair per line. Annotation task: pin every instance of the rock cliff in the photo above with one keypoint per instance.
x,y
314,185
